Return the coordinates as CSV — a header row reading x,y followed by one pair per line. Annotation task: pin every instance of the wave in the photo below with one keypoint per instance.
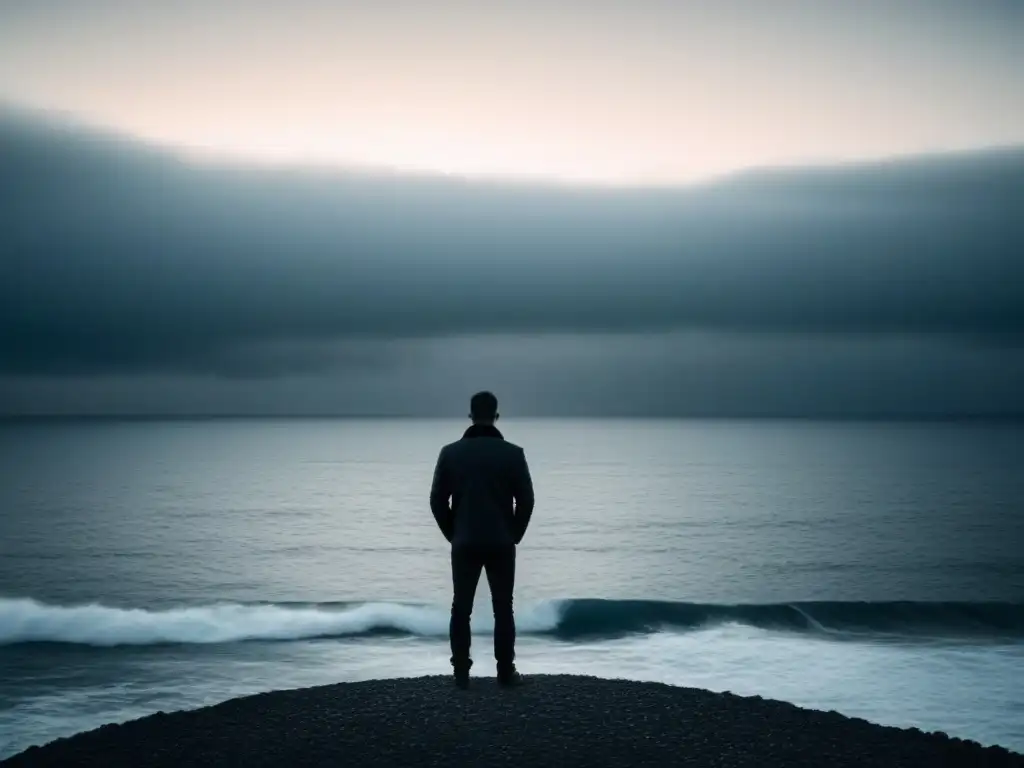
x,y
24,620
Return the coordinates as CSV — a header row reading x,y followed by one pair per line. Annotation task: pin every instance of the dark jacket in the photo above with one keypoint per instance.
x,y
488,482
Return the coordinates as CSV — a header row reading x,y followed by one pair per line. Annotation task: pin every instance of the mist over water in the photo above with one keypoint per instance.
x,y
873,568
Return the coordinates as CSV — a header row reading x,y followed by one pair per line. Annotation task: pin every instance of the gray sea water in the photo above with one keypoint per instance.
x,y
872,568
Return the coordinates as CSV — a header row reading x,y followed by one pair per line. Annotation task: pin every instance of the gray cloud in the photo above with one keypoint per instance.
x,y
681,374
119,259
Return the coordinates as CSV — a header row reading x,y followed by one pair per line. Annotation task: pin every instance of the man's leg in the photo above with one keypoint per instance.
x,y
501,578
466,566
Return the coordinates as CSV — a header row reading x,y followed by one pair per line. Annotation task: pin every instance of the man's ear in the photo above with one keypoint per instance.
x,y
496,416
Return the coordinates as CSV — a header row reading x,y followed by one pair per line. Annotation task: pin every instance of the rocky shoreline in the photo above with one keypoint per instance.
x,y
555,720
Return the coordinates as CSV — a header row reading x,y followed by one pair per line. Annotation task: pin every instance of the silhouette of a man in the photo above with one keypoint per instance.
x,y
487,482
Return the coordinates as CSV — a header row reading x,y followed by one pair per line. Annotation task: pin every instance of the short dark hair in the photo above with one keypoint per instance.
x,y
483,405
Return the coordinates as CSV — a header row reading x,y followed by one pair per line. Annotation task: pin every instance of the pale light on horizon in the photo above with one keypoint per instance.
x,y
647,92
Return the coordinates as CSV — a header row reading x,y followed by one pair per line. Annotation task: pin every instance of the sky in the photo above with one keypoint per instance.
x,y
598,91
644,209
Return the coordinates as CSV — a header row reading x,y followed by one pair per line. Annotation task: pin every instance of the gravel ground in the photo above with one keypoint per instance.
x,y
552,720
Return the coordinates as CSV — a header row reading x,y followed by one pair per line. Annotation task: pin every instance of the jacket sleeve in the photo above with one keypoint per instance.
x,y
440,495
523,492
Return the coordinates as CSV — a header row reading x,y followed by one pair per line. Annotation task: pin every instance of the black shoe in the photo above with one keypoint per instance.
x,y
462,678
509,677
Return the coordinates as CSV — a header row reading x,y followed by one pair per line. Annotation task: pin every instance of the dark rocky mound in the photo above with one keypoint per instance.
x,y
551,721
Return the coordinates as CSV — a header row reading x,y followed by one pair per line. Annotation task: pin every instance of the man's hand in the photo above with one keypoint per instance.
x,y
524,497
440,498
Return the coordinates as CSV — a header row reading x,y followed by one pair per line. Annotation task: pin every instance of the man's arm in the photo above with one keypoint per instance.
x,y
440,493
523,492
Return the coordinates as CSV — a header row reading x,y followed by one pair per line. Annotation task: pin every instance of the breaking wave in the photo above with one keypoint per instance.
x,y
23,620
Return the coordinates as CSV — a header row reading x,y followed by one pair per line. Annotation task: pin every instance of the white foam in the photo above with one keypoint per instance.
x,y
25,620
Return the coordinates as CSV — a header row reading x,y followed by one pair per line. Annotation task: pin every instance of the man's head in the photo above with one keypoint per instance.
x,y
483,408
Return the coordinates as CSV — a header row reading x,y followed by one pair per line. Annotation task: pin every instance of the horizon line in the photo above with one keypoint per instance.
x,y
894,416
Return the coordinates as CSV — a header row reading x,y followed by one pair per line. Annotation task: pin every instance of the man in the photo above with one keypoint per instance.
x,y
488,483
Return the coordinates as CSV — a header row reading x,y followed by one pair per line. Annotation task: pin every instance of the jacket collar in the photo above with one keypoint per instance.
x,y
481,430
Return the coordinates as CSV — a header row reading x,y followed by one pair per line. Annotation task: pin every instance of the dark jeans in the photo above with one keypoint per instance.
x,y
500,565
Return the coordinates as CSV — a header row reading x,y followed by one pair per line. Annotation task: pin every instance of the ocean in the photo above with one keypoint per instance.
x,y
874,568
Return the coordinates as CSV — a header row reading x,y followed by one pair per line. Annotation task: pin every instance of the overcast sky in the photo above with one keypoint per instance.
x,y
596,90
133,281
803,208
